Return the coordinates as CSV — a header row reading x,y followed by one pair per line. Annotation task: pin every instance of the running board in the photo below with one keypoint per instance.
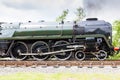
x,y
48,53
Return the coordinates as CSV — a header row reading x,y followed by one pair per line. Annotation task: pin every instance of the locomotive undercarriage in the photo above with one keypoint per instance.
x,y
65,49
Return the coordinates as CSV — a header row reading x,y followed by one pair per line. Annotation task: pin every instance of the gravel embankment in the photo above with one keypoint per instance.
x,y
105,70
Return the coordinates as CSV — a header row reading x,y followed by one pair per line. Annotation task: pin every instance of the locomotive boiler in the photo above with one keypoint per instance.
x,y
62,41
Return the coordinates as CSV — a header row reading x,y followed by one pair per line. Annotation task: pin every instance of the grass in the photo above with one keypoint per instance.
x,y
60,76
115,57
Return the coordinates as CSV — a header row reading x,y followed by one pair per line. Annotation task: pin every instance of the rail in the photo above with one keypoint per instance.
x,y
88,64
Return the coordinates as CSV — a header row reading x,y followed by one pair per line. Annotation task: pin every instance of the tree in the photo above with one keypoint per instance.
x,y
116,33
116,39
80,13
62,17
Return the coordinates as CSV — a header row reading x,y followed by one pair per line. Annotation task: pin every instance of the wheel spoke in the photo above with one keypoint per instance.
x,y
79,55
17,48
40,47
60,45
101,55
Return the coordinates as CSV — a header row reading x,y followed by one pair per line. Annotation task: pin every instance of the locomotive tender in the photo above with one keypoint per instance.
x,y
65,40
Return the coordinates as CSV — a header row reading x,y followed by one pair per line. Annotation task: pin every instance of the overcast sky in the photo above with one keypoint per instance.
x,y
48,10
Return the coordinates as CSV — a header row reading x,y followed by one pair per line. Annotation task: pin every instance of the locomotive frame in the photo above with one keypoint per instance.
x,y
62,44
69,39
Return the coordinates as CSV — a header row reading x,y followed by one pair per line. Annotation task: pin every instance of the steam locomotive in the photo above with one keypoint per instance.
x,y
62,41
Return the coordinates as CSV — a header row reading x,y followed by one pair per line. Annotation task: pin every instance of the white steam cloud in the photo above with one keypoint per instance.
x,y
103,9
46,10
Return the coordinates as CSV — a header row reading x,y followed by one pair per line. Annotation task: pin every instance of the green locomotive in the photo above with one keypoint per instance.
x,y
62,41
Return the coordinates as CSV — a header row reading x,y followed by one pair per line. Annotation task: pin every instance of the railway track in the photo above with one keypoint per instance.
x,y
80,64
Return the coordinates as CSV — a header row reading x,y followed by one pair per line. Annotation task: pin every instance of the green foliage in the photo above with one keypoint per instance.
x,y
116,34
116,39
80,13
62,17
114,57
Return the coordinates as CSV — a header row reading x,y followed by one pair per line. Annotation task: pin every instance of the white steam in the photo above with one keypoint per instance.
x,y
103,9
